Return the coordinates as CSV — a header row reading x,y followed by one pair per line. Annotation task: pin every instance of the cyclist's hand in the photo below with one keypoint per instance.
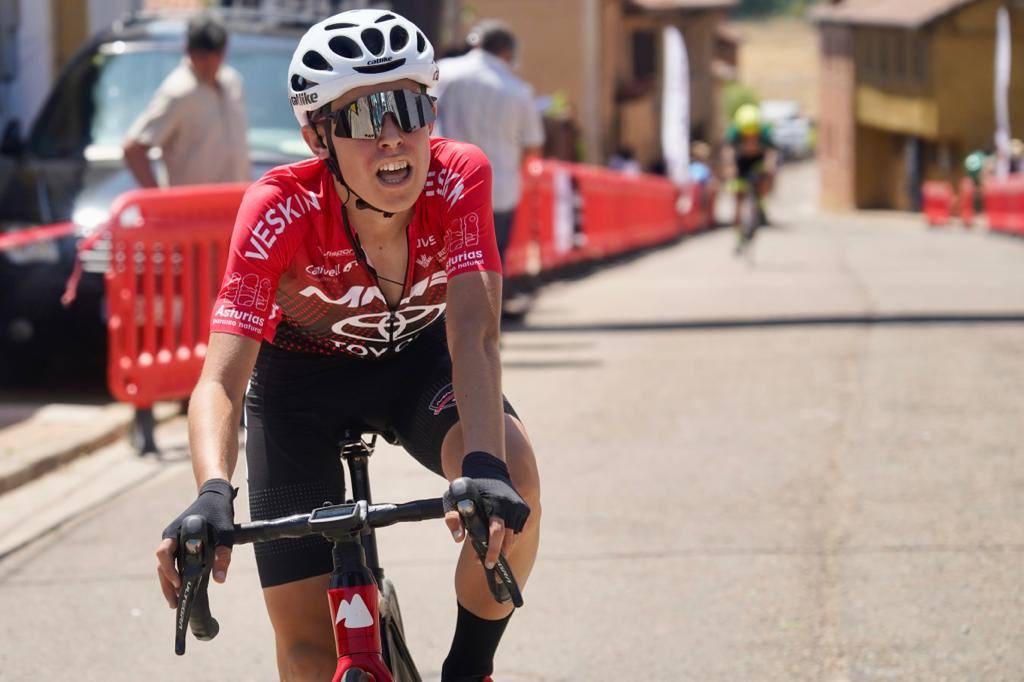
x,y
504,505
216,504
167,572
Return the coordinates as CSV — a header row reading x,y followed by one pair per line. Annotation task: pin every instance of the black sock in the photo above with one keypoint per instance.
x,y
472,654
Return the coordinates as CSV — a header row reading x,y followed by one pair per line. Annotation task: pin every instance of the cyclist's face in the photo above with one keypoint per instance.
x,y
363,161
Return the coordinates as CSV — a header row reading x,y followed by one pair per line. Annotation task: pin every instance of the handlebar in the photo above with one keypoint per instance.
x,y
196,544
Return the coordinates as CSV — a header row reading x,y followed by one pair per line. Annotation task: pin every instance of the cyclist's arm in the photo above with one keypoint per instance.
x,y
216,405
213,415
473,324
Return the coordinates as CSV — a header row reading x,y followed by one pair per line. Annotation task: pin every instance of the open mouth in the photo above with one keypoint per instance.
x,y
394,172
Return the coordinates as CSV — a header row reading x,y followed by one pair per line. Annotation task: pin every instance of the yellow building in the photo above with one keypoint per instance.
x,y
907,92
605,56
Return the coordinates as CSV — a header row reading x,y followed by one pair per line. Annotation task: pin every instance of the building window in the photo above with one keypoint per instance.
x,y
899,49
920,59
884,56
645,55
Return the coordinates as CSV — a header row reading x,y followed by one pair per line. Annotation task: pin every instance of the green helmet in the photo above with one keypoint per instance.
x,y
974,162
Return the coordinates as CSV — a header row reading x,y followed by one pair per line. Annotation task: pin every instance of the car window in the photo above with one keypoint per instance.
x,y
99,98
272,126
123,88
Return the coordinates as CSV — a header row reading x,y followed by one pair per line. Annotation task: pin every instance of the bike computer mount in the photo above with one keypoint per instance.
x,y
340,519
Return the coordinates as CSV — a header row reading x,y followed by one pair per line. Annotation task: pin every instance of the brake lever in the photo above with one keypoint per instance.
x,y
194,558
469,504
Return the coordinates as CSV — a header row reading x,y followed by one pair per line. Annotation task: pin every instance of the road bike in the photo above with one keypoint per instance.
x,y
368,628
751,210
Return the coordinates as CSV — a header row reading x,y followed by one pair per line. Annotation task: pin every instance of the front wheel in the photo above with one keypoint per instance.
x,y
355,675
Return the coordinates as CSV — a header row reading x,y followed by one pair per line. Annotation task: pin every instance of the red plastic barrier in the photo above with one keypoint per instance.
x,y
966,200
168,253
573,213
169,250
1004,204
937,197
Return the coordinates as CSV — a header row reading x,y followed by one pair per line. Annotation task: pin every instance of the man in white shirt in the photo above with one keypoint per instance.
x,y
482,101
197,117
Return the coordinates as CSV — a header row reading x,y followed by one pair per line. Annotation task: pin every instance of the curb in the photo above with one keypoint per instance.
x,y
59,434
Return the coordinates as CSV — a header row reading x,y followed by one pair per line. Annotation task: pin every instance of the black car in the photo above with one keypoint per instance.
x,y
70,168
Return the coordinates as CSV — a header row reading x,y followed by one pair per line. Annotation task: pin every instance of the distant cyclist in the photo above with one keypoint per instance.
x,y
749,158
362,291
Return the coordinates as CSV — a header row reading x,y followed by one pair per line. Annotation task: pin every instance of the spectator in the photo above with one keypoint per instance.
x,y
196,117
623,160
1016,156
978,165
482,101
700,163
702,174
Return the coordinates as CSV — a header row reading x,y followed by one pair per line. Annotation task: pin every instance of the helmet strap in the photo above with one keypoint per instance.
x,y
335,168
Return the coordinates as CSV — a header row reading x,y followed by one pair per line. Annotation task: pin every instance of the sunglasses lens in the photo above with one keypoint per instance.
x,y
363,119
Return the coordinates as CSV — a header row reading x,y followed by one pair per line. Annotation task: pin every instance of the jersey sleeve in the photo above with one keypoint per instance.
x,y
468,216
258,255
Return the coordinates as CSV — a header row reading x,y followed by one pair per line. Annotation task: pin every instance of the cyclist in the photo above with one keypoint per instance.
x,y
362,291
749,158
977,165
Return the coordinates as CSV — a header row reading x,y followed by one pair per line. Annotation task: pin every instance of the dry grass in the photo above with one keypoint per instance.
x,y
779,59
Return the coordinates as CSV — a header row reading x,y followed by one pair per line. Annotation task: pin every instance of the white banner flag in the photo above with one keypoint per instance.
x,y
1002,93
675,107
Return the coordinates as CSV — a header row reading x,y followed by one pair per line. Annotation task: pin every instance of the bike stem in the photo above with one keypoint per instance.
x,y
356,455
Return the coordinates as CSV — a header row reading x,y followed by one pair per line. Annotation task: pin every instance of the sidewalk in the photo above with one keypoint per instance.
x,y
54,435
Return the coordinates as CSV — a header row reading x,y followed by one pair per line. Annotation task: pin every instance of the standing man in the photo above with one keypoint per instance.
x,y
196,117
482,101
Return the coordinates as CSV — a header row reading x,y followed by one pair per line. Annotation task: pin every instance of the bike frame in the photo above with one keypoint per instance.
x,y
360,631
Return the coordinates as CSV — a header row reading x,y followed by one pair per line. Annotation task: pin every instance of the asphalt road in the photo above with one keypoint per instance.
x,y
804,468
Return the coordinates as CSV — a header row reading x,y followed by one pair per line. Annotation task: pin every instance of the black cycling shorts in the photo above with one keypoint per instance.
x,y
298,406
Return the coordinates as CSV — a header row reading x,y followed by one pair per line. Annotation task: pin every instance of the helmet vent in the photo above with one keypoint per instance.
x,y
399,38
386,17
299,83
421,42
315,61
337,27
374,41
343,46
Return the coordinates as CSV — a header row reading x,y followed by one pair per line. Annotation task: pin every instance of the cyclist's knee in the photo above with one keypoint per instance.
x,y
522,464
302,660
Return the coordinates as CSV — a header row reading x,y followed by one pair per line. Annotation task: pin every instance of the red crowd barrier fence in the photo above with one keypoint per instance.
x,y
1004,204
937,200
168,253
966,200
575,213
169,250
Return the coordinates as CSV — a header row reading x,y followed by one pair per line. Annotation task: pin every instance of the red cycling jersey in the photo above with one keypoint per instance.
x,y
296,276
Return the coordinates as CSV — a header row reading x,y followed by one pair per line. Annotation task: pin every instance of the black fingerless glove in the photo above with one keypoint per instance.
x,y
495,485
216,503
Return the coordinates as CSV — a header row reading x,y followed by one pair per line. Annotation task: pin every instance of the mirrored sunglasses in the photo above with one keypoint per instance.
x,y
363,119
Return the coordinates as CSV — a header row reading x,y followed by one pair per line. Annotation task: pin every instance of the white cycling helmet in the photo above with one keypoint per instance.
x,y
352,49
